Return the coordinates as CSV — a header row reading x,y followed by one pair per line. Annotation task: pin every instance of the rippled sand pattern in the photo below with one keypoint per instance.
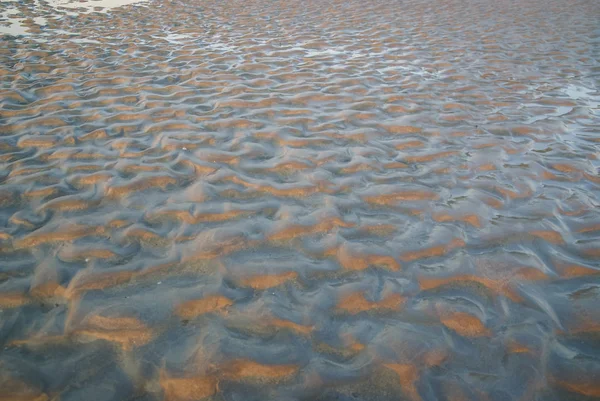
x,y
302,200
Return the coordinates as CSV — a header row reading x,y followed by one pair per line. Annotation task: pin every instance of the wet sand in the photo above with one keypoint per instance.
x,y
316,200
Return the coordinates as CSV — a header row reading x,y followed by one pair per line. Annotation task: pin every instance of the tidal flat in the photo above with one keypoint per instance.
x,y
299,200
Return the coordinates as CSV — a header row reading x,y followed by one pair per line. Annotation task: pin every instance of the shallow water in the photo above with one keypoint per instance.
x,y
18,18
342,200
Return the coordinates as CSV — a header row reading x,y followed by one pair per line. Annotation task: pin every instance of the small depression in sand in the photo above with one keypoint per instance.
x,y
358,200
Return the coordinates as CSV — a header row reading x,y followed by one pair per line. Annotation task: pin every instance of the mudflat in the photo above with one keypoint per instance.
x,y
300,200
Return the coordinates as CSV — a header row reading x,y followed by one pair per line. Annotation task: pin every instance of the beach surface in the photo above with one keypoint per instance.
x,y
300,200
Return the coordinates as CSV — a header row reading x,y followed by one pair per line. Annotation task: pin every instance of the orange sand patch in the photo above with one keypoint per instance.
x,y
293,192
396,109
301,142
97,134
127,117
442,170
71,204
239,123
118,223
290,166
68,233
557,102
464,324
126,332
517,348
50,122
97,281
487,167
220,248
548,235
593,178
300,192
287,324
141,168
547,175
82,254
10,128
26,171
139,185
493,202
263,282
357,168
568,271
529,273
13,300
197,307
186,217
48,289
429,157
171,127
400,129
350,348
513,194
52,89
199,169
356,302
589,229
176,145
37,142
356,136
5,236
36,342
235,103
497,117
434,282
498,286
434,357
92,179
565,168
394,198
298,230
383,230
395,165
408,375
351,343
434,251
455,117
85,168
70,154
142,234
19,221
244,369
472,219
219,158
454,106
353,260
583,326
524,130
41,193
14,390
589,387
592,252
409,144
188,389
